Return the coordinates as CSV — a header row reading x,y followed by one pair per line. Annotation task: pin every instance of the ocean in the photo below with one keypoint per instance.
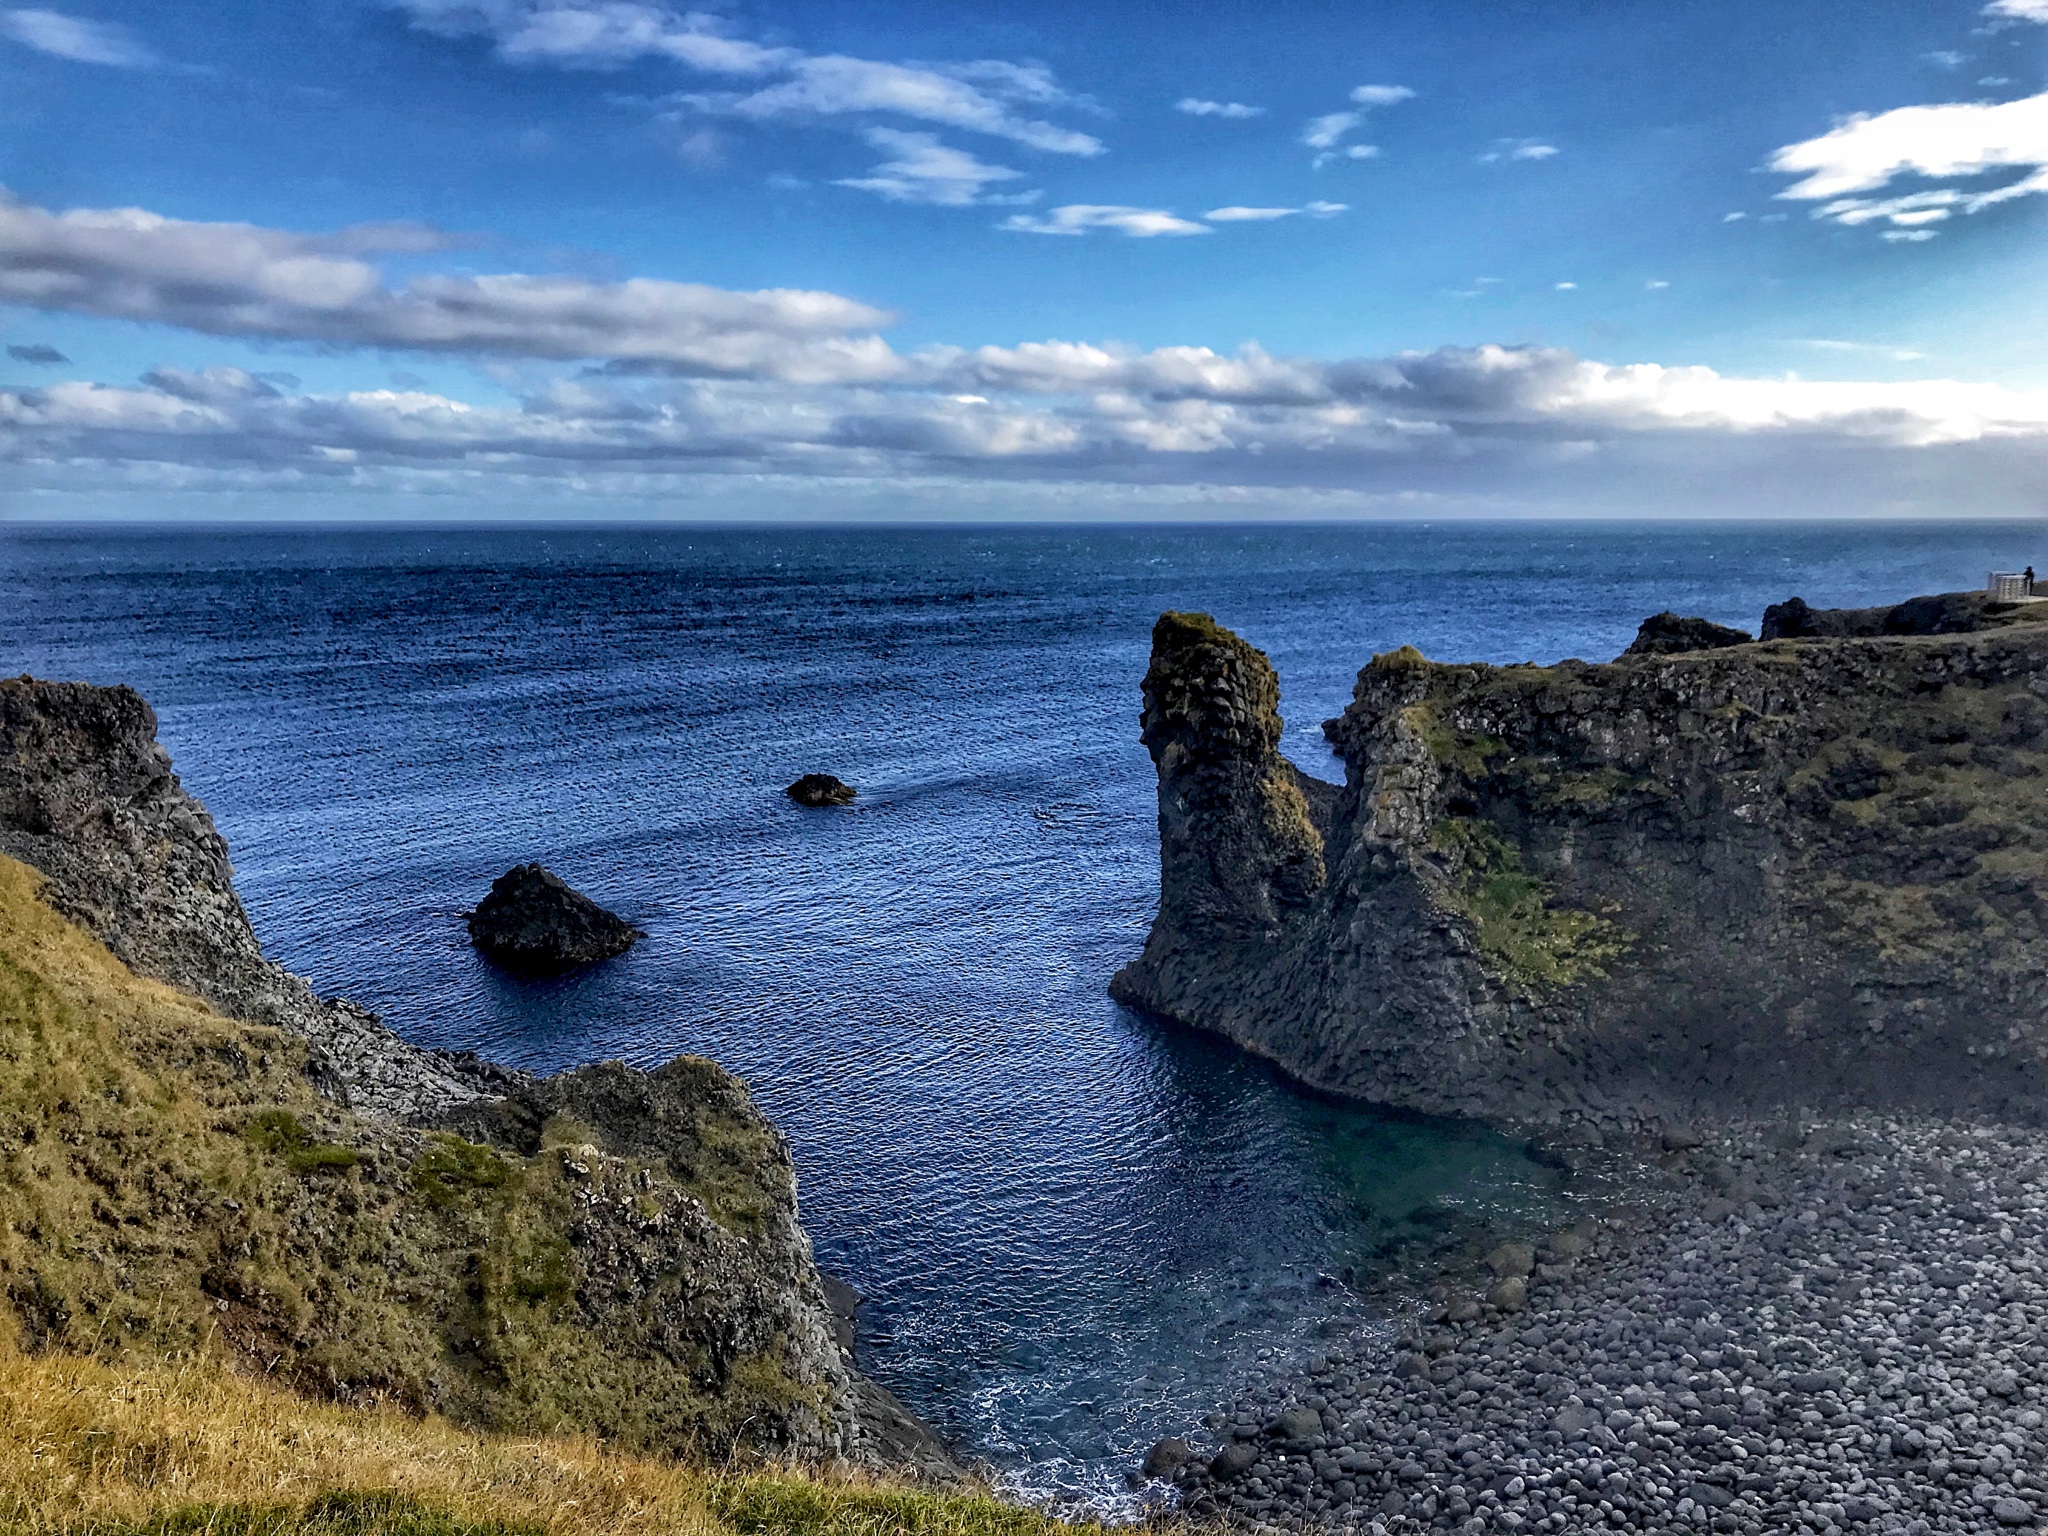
x,y
1076,1229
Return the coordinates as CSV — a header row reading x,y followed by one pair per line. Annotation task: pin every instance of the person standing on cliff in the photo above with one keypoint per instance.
x,y
2028,577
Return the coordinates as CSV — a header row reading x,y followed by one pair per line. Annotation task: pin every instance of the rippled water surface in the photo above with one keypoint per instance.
x,y
1076,1229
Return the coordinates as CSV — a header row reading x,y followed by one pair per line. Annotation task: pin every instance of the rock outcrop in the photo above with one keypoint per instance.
x,y
1794,873
532,921
608,1250
1667,634
818,790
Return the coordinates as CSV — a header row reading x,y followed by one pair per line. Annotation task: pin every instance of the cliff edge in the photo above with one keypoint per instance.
x,y
1805,871
196,1150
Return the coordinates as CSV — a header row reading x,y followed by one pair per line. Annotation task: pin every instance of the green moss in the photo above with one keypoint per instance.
x,y
1466,753
1532,942
280,1133
452,1172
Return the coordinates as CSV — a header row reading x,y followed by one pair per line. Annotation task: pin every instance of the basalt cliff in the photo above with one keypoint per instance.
x,y
1800,873
196,1151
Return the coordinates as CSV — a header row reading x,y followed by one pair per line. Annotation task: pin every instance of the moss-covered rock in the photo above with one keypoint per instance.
x,y
1806,870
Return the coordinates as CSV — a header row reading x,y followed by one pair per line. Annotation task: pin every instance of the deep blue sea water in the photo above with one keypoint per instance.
x,y
1076,1229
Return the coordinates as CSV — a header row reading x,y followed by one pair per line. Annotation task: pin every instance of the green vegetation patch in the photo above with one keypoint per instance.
x,y
279,1132
452,1172
1534,943
1467,753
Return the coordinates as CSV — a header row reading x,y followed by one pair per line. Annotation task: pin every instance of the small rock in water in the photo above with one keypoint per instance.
x,y
532,921
819,789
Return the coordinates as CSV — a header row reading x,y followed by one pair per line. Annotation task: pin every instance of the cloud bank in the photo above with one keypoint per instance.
x,y
656,384
246,280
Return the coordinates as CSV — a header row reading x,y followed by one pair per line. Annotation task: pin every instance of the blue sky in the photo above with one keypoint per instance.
x,y
348,256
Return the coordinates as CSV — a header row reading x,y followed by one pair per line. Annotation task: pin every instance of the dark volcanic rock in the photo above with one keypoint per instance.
x,y
1666,634
1940,613
87,796
1744,877
819,789
533,921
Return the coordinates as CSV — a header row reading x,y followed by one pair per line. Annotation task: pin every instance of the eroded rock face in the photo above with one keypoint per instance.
x,y
1755,875
88,797
532,921
633,1257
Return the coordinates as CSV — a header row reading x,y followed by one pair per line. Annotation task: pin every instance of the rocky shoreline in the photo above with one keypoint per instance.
x,y
1833,1327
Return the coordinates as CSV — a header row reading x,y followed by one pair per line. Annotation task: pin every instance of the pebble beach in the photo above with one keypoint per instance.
x,y
1836,1327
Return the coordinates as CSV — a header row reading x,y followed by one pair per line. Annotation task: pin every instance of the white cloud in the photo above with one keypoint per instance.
x,y
1381,95
980,96
1657,284
1518,149
832,85
1079,218
1947,58
1194,106
68,37
2019,10
923,170
1236,214
1733,218
1955,141
1567,287
247,280
1324,132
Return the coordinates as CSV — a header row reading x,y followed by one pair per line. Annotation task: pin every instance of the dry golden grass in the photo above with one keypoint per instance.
x,y
189,1446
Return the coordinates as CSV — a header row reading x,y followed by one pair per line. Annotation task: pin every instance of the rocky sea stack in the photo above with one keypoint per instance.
x,y
821,789
533,921
1802,872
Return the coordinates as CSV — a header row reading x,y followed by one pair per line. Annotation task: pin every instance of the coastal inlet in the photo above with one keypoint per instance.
x,y
1077,1230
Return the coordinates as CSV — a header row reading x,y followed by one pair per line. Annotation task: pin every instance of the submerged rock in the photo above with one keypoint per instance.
x,y
1667,634
820,789
532,920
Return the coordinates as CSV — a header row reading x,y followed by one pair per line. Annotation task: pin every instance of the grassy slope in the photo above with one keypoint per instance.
x,y
169,1180
187,1234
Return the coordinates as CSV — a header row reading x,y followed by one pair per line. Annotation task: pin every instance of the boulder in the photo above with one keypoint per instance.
x,y
821,789
1667,634
533,921
1168,1457
1233,1461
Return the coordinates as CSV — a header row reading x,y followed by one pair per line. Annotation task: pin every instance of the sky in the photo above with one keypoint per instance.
x,y
1419,258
